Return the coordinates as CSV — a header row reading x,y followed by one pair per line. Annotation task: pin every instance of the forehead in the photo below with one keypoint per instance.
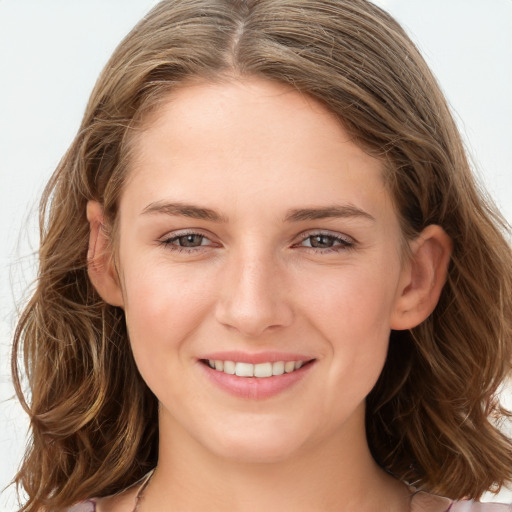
x,y
248,138
261,107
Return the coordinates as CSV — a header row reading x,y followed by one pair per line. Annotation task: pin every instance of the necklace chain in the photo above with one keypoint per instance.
x,y
142,488
145,481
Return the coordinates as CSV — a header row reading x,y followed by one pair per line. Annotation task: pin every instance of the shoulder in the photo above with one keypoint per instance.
x,y
473,506
84,506
425,502
121,502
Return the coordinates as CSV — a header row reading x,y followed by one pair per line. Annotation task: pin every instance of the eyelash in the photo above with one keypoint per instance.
x,y
168,242
344,243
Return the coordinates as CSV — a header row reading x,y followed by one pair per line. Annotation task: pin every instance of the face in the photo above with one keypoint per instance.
x,y
257,238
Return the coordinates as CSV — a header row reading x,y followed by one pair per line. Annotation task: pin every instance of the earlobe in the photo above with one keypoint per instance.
x,y
423,278
100,265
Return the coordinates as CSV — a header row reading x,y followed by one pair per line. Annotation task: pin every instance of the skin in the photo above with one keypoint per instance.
x,y
253,151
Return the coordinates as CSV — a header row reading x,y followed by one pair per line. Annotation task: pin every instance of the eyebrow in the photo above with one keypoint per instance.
x,y
184,210
325,212
295,215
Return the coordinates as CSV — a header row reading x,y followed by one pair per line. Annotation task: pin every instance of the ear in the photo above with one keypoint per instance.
x,y
100,263
423,278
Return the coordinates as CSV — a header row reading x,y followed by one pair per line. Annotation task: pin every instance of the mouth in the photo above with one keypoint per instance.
x,y
255,375
263,378
259,371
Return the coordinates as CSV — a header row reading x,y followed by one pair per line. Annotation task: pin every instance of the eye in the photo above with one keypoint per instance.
x,y
187,242
326,242
191,240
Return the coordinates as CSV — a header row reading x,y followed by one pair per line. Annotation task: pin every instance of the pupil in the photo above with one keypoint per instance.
x,y
321,241
190,240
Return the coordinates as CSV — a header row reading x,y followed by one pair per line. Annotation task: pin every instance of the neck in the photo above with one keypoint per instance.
x,y
333,476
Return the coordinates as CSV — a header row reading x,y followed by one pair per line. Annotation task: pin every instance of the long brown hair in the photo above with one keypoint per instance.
x,y
432,417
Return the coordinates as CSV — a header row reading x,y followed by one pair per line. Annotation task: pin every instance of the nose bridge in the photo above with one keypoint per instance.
x,y
253,295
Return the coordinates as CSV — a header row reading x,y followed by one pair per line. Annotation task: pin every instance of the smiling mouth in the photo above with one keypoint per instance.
x,y
260,370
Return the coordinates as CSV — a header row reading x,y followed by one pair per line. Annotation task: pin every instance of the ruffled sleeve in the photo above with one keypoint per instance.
x,y
473,506
425,502
84,506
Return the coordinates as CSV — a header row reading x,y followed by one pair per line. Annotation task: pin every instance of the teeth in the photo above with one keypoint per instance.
x,y
289,366
278,368
255,370
263,370
229,367
244,370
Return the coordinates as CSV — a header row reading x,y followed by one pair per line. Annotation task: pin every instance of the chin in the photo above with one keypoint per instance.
x,y
257,445
261,453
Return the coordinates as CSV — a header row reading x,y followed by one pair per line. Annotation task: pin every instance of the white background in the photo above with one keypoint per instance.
x,y
51,52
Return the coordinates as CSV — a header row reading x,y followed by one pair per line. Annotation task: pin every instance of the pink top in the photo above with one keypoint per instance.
x,y
456,506
473,506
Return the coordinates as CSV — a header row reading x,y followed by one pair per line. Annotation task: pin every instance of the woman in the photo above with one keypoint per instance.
x,y
267,278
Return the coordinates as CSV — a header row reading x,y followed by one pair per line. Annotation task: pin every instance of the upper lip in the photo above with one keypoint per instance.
x,y
256,357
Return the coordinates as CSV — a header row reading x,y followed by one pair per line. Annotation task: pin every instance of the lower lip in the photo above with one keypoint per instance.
x,y
255,388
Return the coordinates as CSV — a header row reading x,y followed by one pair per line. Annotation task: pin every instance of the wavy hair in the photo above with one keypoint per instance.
x,y
432,419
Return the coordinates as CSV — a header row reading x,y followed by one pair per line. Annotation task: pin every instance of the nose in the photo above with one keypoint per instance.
x,y
253,297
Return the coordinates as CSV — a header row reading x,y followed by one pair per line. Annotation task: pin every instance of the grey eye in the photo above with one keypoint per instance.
x,y
321,241
191,240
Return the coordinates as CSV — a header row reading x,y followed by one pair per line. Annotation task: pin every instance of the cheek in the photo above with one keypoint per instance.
x,y
352,314
355,300
163,304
